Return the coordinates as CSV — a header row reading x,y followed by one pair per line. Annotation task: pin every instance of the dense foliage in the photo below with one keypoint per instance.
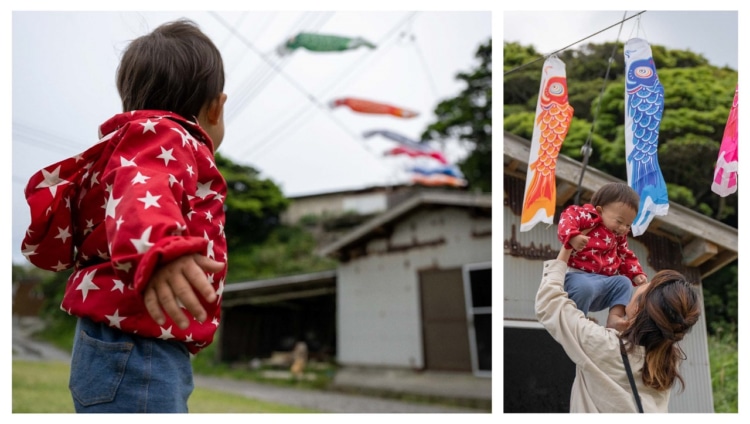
x,y
698,97
468,117
252,206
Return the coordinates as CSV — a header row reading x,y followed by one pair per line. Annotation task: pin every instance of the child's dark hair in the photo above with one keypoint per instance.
x,y
175,68
616,192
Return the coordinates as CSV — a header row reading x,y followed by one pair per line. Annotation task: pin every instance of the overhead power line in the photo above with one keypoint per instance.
x,y
573,44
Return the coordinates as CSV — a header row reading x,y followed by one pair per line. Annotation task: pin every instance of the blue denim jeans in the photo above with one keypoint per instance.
x,y
594,292
112,371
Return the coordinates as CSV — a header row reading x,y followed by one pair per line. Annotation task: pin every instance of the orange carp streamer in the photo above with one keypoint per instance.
x,y
553,116
367,106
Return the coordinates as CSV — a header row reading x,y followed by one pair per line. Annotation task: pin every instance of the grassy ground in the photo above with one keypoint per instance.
x,y
724,375
42,387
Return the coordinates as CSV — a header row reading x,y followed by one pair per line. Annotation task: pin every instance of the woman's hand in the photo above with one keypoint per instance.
x,y
564,254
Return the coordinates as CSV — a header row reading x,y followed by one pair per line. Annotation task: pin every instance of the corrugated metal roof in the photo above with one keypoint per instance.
x,y
422,198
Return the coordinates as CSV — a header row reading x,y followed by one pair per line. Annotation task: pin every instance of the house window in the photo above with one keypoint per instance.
x,y
478,294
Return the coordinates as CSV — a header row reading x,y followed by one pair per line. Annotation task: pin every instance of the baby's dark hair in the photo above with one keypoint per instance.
x,y
175,68
616,192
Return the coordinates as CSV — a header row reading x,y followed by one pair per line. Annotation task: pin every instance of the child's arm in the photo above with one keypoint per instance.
x,y
579,242
177,282
572,219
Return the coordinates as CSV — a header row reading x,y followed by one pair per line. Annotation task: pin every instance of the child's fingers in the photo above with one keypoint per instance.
x,y
196,276
152,306
168,296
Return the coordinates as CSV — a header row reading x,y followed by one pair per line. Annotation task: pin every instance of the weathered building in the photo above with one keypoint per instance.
x,y
412,291
414,286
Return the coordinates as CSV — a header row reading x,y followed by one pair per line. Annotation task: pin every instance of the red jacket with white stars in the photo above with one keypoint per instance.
x,y
147,193
605,253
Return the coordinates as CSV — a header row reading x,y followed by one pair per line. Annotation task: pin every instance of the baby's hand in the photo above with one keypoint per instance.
x,y
177,283
640,279
579,242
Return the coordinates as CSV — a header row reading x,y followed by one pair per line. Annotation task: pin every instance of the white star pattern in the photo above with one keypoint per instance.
x,y
89,226
127,162
166,334
29,250
87,283
124,266
63,233
94,178
210,248
209,216
118,285
149,126
186,137
220,290
60,266
180,228
166,155
190,171
150,200
143,244
116,319
139,179
112,205
119,222
204,190
52,180
173,179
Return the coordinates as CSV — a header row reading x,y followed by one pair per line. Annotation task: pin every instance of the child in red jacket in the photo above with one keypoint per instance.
x,y
139,217
602,270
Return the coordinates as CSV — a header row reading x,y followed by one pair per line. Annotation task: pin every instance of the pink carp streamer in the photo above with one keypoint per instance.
x,y
725,173
553,116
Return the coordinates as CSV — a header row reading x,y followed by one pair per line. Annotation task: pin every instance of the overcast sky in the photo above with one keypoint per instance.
x,y
277,115
710,33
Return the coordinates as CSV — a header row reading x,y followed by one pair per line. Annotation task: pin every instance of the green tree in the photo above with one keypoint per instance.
x,y
468,117
253,205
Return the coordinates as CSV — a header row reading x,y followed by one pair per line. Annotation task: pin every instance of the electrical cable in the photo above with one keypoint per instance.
x,y
286,126
586,148
572,44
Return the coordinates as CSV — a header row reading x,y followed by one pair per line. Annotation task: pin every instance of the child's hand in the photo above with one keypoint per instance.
x,y
579,242
640,279
177,283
